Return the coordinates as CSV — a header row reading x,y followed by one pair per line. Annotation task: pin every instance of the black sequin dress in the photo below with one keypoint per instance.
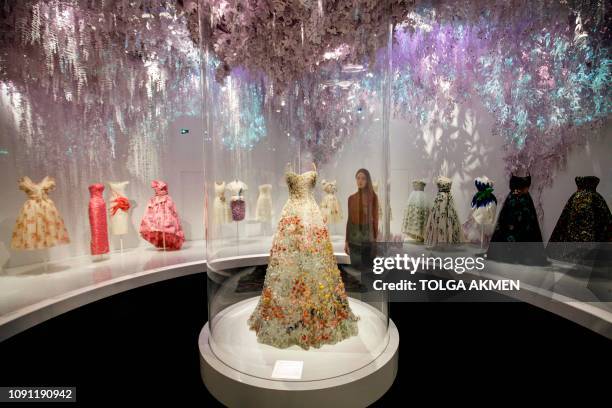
x,y
584,226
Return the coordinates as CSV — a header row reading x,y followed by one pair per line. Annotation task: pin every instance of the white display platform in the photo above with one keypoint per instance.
x,y
239,371
237,346
31,294
34,293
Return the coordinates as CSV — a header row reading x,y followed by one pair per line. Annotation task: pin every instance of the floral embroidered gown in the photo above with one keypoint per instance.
x,y
443,226
160,224
585,223
303,301
39,224
416,212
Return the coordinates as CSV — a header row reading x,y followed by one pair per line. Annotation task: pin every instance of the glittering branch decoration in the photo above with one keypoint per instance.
x,y
542,69
99,80
288,39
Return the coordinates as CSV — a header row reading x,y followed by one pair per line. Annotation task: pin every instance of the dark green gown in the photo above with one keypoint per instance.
x,y
517,237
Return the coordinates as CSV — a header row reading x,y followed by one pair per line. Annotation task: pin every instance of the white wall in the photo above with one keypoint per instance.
x,y
463,151
467,150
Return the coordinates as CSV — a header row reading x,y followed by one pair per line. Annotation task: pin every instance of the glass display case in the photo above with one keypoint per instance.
x,y
287,308
107,157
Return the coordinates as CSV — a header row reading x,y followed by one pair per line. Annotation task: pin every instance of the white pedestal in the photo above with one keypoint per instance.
x,y
347,374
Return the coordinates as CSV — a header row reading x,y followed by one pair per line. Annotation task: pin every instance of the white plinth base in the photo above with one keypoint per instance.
x,y
358,388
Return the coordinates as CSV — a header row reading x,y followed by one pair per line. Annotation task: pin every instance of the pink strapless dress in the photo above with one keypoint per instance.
x,y
97,220
160,224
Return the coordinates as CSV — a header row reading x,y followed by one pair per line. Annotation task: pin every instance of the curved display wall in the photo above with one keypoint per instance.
x,y
277,146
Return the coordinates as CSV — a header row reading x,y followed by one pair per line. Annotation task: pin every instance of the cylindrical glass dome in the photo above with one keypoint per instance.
x,y
282,152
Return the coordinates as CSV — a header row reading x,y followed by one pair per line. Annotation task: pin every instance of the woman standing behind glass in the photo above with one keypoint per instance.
x,y
362,223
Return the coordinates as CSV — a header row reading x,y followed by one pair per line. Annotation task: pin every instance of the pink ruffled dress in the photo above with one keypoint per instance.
x,y
160,224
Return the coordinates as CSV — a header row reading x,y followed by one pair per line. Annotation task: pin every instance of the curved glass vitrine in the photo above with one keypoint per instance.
x,y
101,166
281,161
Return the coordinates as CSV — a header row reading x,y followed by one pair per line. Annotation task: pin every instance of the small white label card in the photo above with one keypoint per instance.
x,y
288,369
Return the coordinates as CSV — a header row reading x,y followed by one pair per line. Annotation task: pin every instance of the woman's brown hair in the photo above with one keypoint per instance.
x,y
369,188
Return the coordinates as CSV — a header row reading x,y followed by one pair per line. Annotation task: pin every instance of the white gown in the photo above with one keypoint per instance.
x,y
263,208
416,212
330,206
380,207
221,208
119,215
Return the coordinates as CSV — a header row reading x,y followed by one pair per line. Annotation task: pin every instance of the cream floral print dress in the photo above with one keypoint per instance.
x,y
39,224
303,301
416,212
443,226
